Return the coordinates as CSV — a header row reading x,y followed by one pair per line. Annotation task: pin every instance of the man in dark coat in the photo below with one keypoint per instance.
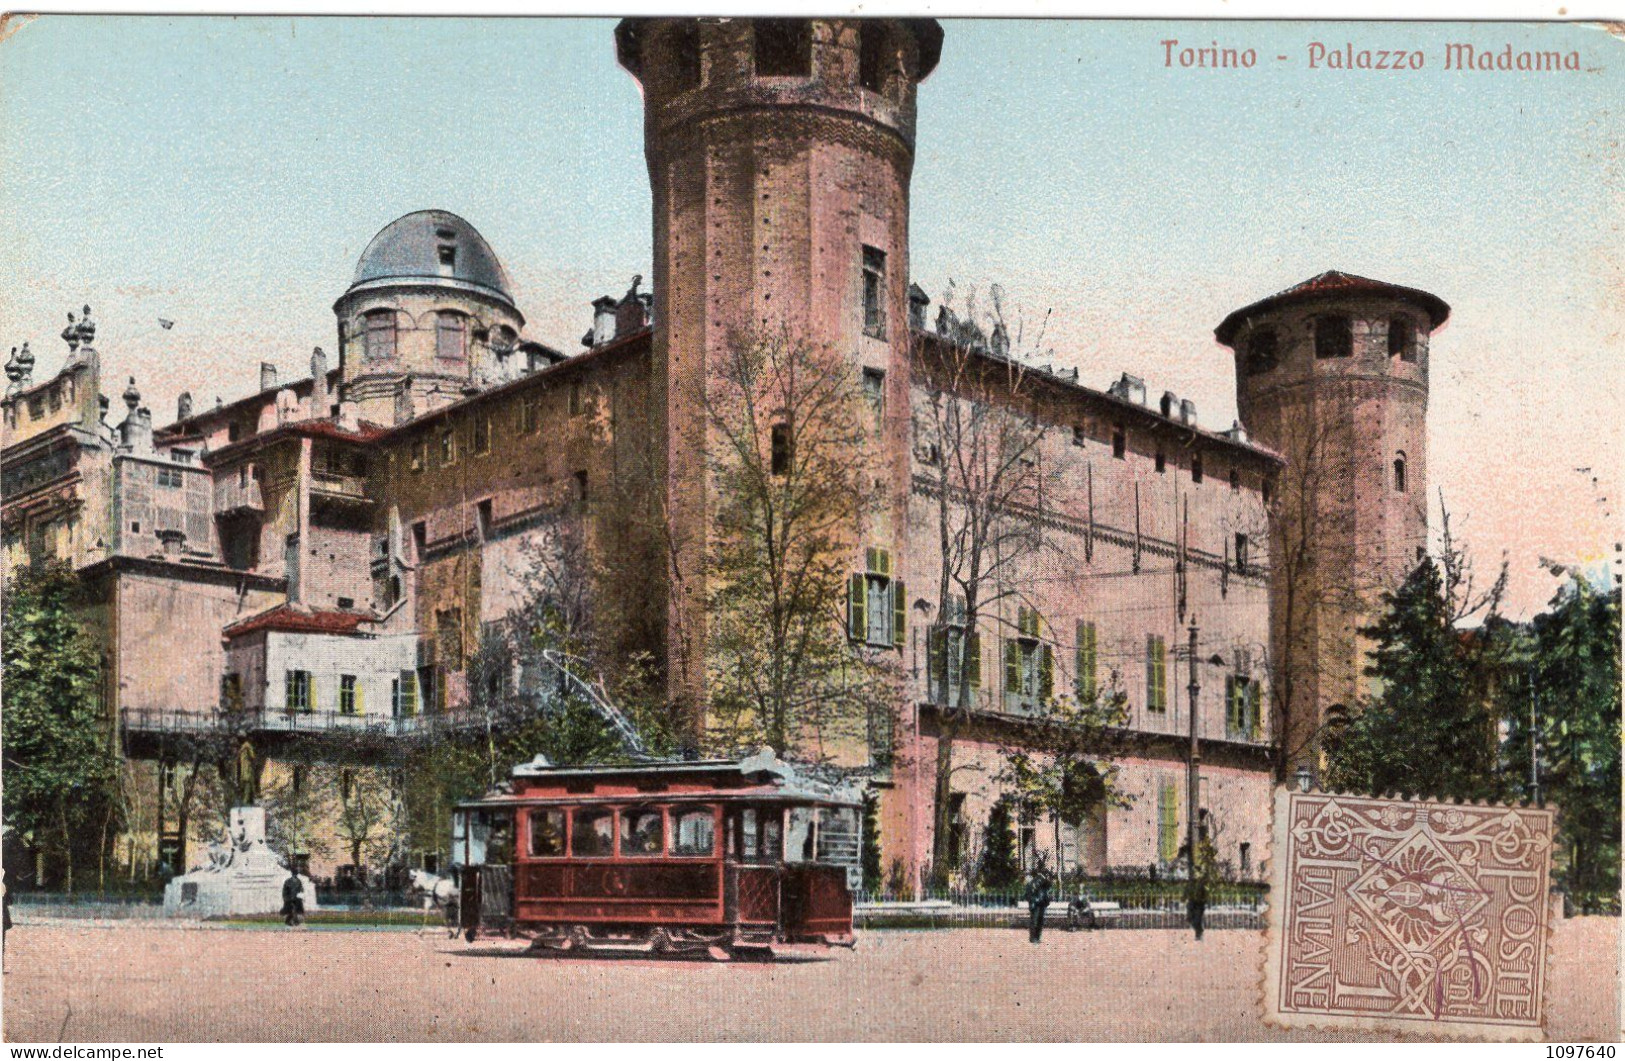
x,y
1038,898
293,899
1204,874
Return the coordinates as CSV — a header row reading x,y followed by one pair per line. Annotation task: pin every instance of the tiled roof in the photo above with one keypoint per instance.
x,y
1333,283
291,618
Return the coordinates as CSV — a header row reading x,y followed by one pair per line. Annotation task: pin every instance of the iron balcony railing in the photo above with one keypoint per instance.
x,y
162,720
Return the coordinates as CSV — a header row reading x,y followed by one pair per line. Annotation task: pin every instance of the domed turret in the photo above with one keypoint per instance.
x,y
419,324
432,247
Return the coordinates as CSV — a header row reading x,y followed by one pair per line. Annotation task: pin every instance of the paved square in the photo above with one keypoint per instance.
x,y
77,982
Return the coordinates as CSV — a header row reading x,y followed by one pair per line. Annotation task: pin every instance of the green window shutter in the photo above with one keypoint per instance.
x,y
310,683
1046,674
1012,665
869,560
1232,719
1086,662
1161,652
973,660
937,659
857,600
1255,700
899,613
1152,700
1167,820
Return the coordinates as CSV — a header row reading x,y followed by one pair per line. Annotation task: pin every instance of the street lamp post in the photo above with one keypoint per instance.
x,y
1192,780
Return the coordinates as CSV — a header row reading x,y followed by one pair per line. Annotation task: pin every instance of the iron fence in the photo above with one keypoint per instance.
x,y
1128,895
168,720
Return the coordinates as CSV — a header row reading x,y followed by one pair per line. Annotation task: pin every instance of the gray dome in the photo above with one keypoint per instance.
x,y
432,245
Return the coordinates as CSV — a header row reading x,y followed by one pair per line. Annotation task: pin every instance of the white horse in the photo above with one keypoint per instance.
x,y
437,891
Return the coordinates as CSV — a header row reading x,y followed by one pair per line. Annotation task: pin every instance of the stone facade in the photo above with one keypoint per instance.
x,y
326,557
1333,374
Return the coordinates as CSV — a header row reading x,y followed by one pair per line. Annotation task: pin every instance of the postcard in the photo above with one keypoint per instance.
x,y
689,528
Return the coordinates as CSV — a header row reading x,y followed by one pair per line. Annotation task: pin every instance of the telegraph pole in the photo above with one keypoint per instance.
x,y
1193,792
1534,756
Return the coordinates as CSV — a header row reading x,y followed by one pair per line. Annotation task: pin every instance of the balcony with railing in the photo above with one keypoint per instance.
x,y
158,721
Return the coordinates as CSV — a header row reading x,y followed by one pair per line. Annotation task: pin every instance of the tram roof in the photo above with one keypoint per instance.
x,y
762,775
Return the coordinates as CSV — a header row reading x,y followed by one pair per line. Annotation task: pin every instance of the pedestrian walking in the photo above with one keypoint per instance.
x,y
1038,899
1204,873
5,909
293,900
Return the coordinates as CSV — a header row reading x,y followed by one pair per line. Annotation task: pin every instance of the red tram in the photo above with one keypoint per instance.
x,y
725,857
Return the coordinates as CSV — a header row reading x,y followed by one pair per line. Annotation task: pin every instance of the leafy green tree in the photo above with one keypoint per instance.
x,y
1571,684
1429,728
1060,763
870,855
1000,866
793,483
61,771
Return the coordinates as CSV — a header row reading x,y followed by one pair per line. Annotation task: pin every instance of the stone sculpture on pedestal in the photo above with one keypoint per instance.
x,y
244,876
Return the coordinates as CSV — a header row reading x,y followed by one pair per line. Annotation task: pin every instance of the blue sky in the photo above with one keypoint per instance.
x,y
225,173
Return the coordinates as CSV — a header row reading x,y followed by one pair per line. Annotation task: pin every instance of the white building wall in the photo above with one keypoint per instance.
x,y
375,661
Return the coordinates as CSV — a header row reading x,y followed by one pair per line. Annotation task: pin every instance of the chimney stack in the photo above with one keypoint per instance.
x,y
267,376
603,321
1187,412
319,399
1129,389
183,406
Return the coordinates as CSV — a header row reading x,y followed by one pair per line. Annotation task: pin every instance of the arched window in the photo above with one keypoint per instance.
x,y
1402,338
1399,473
1262,351
379,335
783,47
874,55
451,337
1334,336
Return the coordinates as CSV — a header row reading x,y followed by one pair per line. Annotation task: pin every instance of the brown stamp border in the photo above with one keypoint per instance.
x,y
1408,1027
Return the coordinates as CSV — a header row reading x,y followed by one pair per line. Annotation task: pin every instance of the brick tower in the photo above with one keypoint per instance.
x,y
1333,374
780,153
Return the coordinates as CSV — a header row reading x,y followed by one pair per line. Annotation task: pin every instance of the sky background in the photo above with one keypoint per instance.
x,y
225,173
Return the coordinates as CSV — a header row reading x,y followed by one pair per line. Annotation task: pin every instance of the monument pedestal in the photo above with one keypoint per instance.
x,y
244,877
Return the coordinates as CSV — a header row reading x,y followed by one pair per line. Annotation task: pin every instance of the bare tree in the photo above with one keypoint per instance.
x,y
1306,589
792,488
977,428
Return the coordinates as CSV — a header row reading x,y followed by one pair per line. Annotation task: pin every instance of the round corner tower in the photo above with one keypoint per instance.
x,y
1333,374
780,153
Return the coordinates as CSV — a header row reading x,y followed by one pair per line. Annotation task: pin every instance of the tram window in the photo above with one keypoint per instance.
x,y
693,834
593,834
800,841
750,834
838,835
546,833
771,828
641,832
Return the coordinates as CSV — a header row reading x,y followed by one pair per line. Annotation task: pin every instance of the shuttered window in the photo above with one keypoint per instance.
x,y
1156,674
877,603
299,692
1167,820
1086,662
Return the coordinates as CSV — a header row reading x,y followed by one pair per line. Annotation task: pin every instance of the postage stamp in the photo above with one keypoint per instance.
x,y
1391,914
